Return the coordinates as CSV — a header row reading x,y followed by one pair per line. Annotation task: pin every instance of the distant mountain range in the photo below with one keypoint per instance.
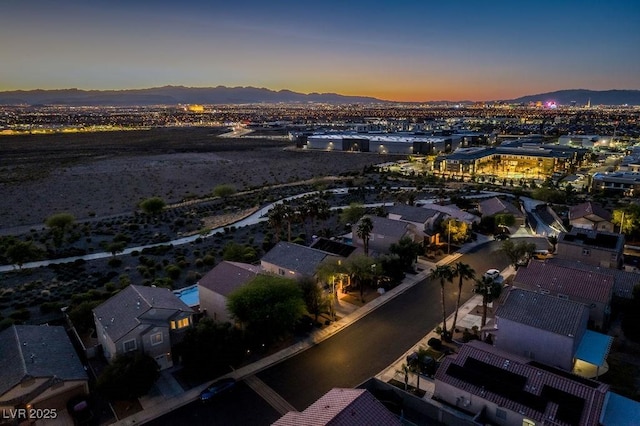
x,y
173,95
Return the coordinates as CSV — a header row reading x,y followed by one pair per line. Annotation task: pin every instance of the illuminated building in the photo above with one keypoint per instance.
x,y
383,143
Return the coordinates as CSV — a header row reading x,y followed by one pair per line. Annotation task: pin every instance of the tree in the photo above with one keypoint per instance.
x,y
128,377
505,219
361,269
327,272
352,214
152,205
490,291
268,307
407,250
462,271
276,216
553,240
234,252
516,252
59,223
627,219
365,226
314,297
211,347
20,252
224,191
457,231
81,316
443,273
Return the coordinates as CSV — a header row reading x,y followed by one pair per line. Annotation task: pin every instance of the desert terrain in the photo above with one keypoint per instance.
x,y
109,173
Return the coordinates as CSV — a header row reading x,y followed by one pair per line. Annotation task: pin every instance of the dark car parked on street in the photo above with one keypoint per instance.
x,y
216,388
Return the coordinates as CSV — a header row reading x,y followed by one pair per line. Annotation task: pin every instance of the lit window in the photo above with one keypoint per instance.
x,y
181,323
129,345
156,339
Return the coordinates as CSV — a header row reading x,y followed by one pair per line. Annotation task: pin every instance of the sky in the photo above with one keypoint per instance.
x,y
397,50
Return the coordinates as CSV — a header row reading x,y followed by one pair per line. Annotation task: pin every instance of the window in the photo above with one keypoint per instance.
x,y
129,345
281,271
181,323
156,339
586,252
501,414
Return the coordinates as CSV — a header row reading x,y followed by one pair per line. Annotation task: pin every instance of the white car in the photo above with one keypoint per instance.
x,y
493,274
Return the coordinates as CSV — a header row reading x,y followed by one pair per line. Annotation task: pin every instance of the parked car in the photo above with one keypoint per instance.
x,y
492,273
216,388
426,365
501,237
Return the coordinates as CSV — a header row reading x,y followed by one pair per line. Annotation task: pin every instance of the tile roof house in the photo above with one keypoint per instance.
x,y
494,206
384,233
293,260
591,288
592,216
598,248
503,389
219,282
540,327
623,281
342,407
146,319
40,368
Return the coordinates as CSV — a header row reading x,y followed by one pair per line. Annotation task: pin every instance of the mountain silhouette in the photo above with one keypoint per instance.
x,y
174,95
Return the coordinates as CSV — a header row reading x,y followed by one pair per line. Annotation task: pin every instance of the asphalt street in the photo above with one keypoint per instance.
x,y
352,356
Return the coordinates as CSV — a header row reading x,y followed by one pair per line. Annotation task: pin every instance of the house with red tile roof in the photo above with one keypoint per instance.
x,y
342,407
590,288
592,216
505,389
218,283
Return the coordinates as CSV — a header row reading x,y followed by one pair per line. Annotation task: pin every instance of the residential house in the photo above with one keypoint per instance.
x,y
219,282
493,206
384,233
334,247
591,216
342,407
540,327
623,281
424,219
597,248
150,320
453,211
590,288
40,368
505,389
294,260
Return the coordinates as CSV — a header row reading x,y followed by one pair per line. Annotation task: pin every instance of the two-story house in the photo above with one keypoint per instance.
x,y
424,219
39,369
597,248
591,216
590,288
150,320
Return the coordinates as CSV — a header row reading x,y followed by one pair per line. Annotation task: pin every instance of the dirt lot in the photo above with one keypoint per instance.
x,y
103,174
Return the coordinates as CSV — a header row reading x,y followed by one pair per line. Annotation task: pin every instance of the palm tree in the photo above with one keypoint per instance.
x,y
443,273
490,291
277,218
462,271
364,232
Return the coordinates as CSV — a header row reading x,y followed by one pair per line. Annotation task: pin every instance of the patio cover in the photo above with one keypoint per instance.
x,y
594,348
620,411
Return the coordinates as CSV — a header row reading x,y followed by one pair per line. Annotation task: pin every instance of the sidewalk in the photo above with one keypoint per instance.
x,y
159,404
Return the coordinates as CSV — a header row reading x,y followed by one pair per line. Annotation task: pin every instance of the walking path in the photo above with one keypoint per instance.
x,y
158,405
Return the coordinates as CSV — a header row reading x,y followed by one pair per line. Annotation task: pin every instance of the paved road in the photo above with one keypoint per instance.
x,y
361,350
368,346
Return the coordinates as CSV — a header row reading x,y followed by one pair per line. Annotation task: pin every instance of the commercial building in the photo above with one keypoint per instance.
x,y
384,143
